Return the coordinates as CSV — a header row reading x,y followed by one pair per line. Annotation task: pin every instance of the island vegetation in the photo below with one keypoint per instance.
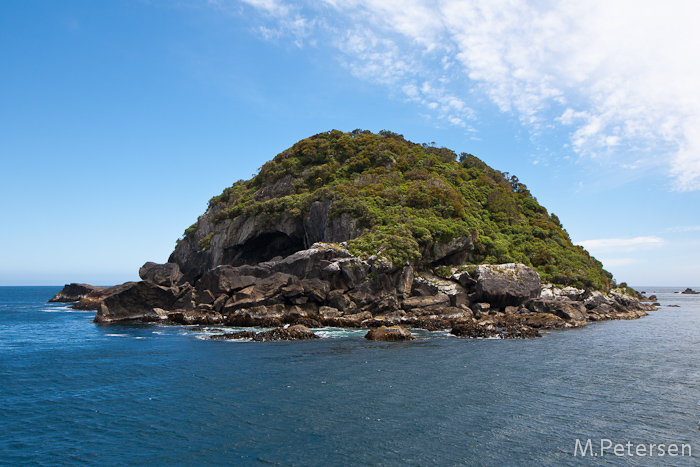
x,y
406,196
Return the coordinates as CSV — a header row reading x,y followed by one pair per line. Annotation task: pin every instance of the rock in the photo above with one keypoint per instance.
x,y
220,302
206,297
292,333
88,304
456,251
339,300
190,317
421,287
404,281
166,275
466,281
460,299
74,292
315,289
690,291
481,307
474,330
136,301
306,263
502,330
329,312
227,279
234,335
389,334
563,308
429,324
425,301
506,284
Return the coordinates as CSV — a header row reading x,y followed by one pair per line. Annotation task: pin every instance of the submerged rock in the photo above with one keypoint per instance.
x,y
292,333
389,334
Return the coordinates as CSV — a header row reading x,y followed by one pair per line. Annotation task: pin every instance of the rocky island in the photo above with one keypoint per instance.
x,y
371,231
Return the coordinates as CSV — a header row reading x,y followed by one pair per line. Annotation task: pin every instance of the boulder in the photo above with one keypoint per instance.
x,y
506,284
465,280
306,263
297,332
563,308
422,287
292,333
690,291
474,330
389,334
136,301
456,251
166,275
227,279
425,301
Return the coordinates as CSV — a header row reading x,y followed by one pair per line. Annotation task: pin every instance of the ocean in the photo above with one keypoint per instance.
x,y
74,393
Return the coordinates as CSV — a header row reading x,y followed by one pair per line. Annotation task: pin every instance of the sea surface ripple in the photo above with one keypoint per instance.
x,y
77,393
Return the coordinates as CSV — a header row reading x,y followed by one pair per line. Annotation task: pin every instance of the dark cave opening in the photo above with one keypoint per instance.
x,y
264,247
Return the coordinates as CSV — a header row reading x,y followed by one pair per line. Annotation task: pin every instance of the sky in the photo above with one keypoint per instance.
x,y
120,120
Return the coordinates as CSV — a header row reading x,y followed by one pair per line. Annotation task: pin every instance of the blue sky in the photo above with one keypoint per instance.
x,y
120,120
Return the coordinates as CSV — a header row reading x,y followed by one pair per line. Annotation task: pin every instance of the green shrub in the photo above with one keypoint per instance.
x,y
205,243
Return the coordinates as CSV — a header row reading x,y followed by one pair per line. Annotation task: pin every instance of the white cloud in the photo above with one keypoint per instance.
x,y
622,244
619,75
689,228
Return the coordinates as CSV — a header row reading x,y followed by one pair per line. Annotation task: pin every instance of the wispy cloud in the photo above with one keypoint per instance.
x,y
622,244
689,228
618,76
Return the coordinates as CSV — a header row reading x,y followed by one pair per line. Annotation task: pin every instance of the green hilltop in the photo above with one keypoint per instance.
x,y
406,196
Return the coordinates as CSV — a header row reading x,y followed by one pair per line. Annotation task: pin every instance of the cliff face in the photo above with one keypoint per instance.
x,y
379,194
252,239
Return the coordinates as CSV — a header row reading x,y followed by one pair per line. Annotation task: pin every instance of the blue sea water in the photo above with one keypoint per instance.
x,y
76,393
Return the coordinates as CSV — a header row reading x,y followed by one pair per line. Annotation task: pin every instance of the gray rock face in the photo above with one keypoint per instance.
x,y
456,251
136,301
166,275
250,240
564,308
506,284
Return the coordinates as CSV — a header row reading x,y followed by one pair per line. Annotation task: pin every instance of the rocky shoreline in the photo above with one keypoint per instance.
x,y
325,285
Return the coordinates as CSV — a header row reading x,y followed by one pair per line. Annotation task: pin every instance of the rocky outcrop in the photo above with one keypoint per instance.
x,y
137,301
491,330
292,333
504,285
75,292
389,334
325,285
166,275
690,291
